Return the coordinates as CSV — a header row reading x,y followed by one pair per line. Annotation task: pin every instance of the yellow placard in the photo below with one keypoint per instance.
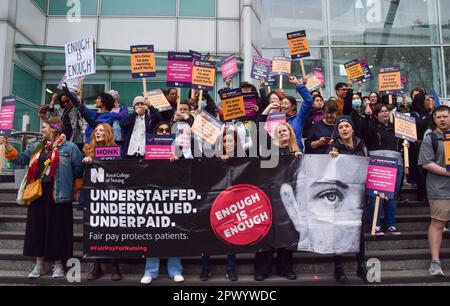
x,y
313,83
203,76
143,63
405,127
298,46
447,150
281,66
390,81
354,72
233,108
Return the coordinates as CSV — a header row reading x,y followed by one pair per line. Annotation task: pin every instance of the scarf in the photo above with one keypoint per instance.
x,y
53,157
291,114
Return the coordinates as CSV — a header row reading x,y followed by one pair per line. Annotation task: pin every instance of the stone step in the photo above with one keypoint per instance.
x,y
18,223
8,207
326,279
303,262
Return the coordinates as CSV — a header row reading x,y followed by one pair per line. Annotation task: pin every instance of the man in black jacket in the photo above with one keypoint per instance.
x,y
136,126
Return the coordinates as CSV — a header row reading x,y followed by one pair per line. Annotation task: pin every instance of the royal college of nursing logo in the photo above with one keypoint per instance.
x,y
97,175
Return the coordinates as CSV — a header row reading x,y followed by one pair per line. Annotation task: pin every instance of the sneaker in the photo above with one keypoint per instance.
x,y
379,231
436,269
232,276
146,280
393,231
402,200
205,275
38,270
58,271
178,278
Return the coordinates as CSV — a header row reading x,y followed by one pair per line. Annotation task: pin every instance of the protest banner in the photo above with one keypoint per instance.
x,y
368,75
74,85
261,68
203,75
354,70
250,101
233,105
159,147
158,100
107,153
299,47
272,122
389,81
447,150
132,211
381,179
80,58
318,72
7,115
405,127
229,67
207,127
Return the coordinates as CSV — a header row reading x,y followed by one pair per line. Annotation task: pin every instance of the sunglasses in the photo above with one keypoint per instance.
x,y
161,130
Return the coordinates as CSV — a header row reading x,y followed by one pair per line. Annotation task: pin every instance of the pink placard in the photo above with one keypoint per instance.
x,y
229,67
382,179
7,115
157,152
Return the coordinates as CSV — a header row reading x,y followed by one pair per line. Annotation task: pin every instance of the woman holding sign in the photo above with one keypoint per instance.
x,y
284,138
348,143
381,141
57,163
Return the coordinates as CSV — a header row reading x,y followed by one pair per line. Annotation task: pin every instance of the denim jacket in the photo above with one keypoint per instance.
x,y
70,168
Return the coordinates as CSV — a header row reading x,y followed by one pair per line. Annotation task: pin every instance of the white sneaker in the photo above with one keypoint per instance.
x,y
38,270
58,271
146,280
178,278
435,269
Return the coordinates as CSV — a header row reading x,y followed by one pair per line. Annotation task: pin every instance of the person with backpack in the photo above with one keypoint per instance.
x,y
432,159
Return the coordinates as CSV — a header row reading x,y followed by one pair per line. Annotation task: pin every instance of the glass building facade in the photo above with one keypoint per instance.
x,y
412,33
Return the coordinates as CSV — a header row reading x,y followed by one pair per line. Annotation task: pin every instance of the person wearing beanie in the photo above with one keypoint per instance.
x,y
122,111
104,104
136,126
348,143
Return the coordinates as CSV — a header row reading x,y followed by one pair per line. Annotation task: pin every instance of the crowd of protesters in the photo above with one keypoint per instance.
x,y
349,124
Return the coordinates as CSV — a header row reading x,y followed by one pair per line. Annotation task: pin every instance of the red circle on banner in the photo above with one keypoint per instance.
x,y
241,215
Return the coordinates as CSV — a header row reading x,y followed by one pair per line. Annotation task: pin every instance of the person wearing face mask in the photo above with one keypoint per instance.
x,y
354,108
322,133
381,141
136,126
347,143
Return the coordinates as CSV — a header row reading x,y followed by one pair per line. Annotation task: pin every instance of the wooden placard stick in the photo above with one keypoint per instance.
x,y
375,216
406,155
302,65
178,98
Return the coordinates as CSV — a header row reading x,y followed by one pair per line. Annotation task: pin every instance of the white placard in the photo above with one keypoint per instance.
x,y
80,58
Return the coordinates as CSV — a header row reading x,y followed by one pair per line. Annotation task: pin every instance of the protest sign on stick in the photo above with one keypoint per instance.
x,y
299,47
80,58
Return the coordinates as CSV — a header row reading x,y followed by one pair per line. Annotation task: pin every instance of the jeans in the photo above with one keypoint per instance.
x,y
231,262
388,207
174,266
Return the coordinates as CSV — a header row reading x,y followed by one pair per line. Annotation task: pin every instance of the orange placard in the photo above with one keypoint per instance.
x,y
447,150
207,127
281,65
143,63
298,45
354,70
389,80
233,108
203,75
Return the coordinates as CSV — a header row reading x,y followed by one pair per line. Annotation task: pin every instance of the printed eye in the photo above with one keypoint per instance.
x,y
333,196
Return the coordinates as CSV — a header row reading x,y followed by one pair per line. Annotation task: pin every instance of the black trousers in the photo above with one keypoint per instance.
x,y
265,260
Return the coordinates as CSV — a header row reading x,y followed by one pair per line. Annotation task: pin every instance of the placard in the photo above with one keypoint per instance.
x,y
229,67
74,85
143,63
179,69
390,81
159,147
7,115
368,75
313,82
261,68
354,70
207,127
281,66
405,127
233,105
447,150
318,72
381,177
203,75
158,100
273,120
80,58
298,44
404,81
250,101
107,153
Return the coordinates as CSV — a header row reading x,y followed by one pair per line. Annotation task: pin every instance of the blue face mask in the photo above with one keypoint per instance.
x,y
357,104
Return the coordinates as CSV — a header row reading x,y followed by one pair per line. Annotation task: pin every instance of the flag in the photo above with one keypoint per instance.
x,y
437,102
